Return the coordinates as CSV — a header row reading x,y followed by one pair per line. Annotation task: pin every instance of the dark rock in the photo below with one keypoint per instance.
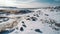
x,y
21,29
57,7
46,21
23,22
52,21
36,15
28,19
24,25
24,11
56,29
46,14
57,24
33,18
38,30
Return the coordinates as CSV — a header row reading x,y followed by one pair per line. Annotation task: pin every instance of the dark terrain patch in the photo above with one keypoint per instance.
x,y
52,21
4,19
36,15
38,30
33,18
46,15
28,19
28,16
6,13
21,29
55,28
0,21
23,22
57,24
17,28
51,10
7,31
24,11
24,25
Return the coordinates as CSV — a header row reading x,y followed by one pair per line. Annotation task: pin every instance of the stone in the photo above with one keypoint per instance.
x,y
57,24
21,29
38,30
33,18
23,22
46,15
24,25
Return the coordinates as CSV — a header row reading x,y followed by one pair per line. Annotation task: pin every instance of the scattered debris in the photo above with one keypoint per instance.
x,y
36,15
49,21
52,21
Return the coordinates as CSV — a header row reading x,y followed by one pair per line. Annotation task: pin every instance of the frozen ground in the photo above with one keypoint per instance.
x,y
40,21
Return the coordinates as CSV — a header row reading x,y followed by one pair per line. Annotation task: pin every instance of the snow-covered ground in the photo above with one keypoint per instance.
x,y
40,21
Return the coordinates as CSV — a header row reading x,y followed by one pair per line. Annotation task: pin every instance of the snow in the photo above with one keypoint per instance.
x,y
32,25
